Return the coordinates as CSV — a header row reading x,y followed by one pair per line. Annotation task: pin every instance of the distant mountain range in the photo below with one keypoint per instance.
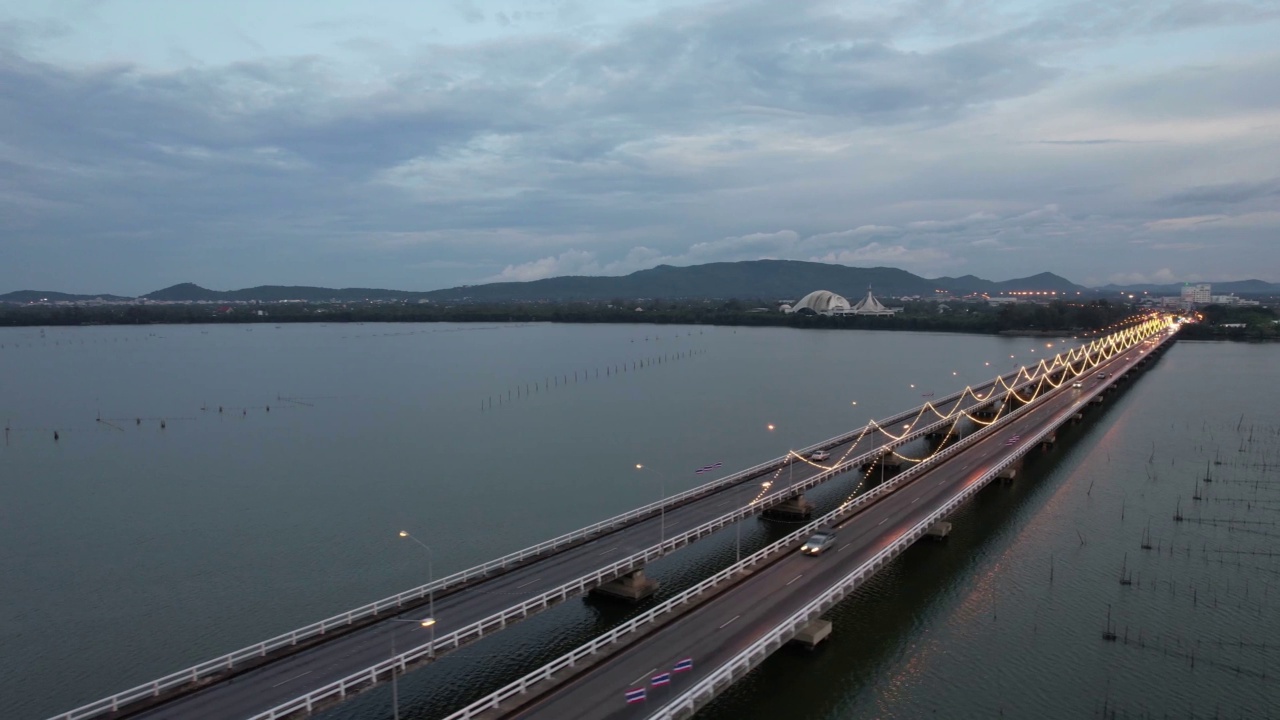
x,y
754,279
30,296
1235,287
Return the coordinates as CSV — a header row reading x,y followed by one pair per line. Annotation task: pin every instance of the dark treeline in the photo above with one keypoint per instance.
x,y
1234,323
1057,316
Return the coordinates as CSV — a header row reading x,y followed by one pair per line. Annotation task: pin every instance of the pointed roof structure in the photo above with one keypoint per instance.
x,y
870,306
822,302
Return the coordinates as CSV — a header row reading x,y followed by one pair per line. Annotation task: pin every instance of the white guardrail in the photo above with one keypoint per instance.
x,y
685,704
569,660
578,586
254,652
259,650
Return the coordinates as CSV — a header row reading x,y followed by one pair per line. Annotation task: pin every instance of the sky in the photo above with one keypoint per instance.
x,y
417,146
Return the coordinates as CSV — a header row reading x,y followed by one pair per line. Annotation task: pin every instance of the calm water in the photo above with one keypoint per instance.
x,y
128,550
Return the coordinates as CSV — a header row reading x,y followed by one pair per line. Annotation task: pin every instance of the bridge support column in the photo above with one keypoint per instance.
x,y
632,586
1096,400
1007,475
1048,440
813,633
1078,417
939,530
796,507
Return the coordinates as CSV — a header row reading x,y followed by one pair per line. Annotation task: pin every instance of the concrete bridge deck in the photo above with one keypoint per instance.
x,y
253,688
722,625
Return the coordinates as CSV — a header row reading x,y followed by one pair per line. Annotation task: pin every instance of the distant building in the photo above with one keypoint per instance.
x,y
871,306
820,302
1197,294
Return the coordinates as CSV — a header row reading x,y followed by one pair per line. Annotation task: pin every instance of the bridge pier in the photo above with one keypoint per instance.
x,y
1048,440
1096,400
797,507
632,586
987,411
889,466
939,530
1007,475
813,633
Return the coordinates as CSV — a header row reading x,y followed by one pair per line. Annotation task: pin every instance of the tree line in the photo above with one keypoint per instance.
x,y
1053,317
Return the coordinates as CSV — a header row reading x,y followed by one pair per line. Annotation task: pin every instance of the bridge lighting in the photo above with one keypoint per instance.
x,y
855,402
770,426
427,622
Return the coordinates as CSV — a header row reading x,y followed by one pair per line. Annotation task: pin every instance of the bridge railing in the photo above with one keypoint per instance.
x,y
685,704
254,652
569,660
259,650
576,587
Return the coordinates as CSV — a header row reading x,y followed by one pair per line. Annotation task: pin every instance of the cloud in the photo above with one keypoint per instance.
x,y
1225,193
614,137
1163,276
893,255
1183,223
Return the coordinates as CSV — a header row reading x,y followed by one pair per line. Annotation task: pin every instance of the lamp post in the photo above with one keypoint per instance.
x,y
430,621
427,622
662,506
791,458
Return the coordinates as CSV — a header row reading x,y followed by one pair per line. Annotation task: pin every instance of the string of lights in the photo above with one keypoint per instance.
x,y
1088,356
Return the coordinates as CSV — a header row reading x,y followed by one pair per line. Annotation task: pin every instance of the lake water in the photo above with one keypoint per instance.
x,y
176,517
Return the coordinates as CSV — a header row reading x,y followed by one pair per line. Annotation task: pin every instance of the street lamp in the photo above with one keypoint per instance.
x,y
791,457
662,506
427,622
430,620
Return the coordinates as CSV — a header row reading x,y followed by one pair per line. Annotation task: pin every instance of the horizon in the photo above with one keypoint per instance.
x,y
444,145
410,290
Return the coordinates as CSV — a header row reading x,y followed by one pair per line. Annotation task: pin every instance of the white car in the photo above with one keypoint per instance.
x,y
819,455
821,540
1077,384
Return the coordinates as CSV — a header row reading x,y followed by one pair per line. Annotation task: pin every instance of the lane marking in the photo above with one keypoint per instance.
x,y
643,677
735,617
844,546
795,578
527,584
615,547
913,502
295,677
882,522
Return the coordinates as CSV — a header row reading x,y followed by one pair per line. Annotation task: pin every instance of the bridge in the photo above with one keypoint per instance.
x,y
730,621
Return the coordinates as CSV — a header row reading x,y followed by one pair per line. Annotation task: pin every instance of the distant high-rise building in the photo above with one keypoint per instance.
x,y
1198,294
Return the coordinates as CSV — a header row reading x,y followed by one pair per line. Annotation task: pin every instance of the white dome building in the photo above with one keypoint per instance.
x,y
822,302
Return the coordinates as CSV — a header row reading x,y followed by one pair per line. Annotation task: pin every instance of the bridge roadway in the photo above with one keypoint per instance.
x,y
719,629
258,689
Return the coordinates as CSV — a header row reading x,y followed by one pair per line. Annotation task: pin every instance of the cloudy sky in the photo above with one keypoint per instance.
x,y
431,144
